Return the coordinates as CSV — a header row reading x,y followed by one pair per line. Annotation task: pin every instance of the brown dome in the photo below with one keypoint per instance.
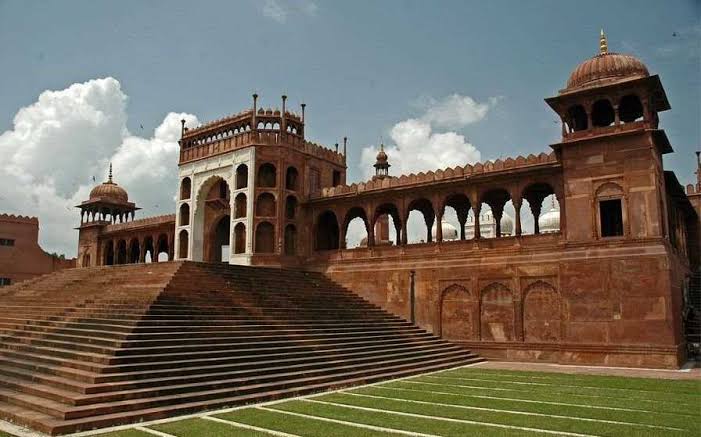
x,y
109,191
605,69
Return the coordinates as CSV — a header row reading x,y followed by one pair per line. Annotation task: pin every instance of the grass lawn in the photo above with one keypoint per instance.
x,y
468,401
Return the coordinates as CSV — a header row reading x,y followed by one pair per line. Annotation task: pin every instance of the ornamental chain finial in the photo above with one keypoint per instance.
x,y
603,44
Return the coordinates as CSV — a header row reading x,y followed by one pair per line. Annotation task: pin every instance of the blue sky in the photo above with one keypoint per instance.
x,y
361,66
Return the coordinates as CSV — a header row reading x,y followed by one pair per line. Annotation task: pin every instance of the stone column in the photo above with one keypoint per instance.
x,y
476,210
517,219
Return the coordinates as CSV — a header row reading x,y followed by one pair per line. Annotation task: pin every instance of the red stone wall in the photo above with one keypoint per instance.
x,y
614,304
26,259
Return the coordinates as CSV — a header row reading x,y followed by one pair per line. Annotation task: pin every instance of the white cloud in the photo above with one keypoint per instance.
x,y
280,10
57,145
417,147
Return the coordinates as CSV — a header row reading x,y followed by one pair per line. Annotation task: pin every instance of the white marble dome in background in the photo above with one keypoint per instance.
x,y
488,226
450,232
549,222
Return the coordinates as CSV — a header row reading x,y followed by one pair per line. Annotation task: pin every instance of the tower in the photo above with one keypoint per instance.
x,y
612,147
381,164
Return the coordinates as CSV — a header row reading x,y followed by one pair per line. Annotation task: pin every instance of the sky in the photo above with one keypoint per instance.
x,y
441,83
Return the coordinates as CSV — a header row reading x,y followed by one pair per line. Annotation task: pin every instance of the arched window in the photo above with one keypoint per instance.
x,y
241,176
240,206
290,240
327,233
184,214
602,113
610,205
185,189
265,238
240,238
630,109
267,175
577,118
292,179
183,241
265,205
290,207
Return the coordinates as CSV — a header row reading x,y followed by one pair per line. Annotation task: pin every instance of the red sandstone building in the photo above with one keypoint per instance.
x,y
21,257
603,286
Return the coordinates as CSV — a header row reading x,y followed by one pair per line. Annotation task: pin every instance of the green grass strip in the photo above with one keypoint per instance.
x,y
500,417
297,425
681,386
576,413
565,389
203,427
394,421
526,393
125,433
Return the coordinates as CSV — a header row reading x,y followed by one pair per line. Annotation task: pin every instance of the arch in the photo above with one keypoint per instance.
x,y
630,108
290,207
86,260
213,203
610,207
292,179
240,205
460,203
497,313
577,118
496,199
425,207
459,314
265,205
602,113
267,175
326,232
183,243
149,250
109,253
185,188
355,212
265,238
219,237
121,252
542,312
162,247
241,177
391,210
134,251
290,240
535,193
240,238
184,214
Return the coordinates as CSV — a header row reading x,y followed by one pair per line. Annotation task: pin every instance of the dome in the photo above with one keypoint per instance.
x,y
109,191
450,232
605,68
550,221
381,155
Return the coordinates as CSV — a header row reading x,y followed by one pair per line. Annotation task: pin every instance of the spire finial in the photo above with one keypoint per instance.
x,y
109,176
603,44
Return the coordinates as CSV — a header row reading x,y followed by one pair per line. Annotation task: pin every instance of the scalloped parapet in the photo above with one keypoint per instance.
x,y
19,219
441,175
692,189
146,222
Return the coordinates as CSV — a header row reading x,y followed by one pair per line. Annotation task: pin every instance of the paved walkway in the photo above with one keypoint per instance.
x,y
685,373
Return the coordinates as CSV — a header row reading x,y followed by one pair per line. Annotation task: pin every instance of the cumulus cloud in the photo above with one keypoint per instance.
x,y
280,10
418,147
67,137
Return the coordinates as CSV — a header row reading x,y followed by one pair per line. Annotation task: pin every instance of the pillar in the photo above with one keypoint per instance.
x,y
476,210
517,212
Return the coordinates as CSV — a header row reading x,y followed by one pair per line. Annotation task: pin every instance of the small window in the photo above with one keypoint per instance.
x,y
6,242
5,281
611,214
336,178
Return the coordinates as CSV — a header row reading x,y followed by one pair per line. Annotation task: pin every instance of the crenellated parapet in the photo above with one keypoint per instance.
x,y
448,174
19,219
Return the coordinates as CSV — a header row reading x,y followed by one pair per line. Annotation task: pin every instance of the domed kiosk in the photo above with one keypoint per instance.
x,y
108,202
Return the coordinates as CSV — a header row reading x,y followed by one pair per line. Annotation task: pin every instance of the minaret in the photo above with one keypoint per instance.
x,y
381,164
698,171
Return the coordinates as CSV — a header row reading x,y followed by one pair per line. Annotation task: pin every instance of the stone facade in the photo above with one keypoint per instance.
x,y
21,257
603,286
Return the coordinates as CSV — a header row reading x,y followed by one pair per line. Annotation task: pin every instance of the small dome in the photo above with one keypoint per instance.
x,y
450,232
605,69
550,221
109,191
381,156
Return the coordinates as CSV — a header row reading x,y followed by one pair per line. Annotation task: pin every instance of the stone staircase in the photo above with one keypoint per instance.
x,y
89,348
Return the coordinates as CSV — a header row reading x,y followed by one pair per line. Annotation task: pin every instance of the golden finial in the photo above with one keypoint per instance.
x,y
603,44
109,177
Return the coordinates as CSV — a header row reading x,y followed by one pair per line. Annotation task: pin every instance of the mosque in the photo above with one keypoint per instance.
x,y
598,280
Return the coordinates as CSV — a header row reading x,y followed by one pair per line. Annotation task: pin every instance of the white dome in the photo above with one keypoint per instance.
x,y
550,221
450,232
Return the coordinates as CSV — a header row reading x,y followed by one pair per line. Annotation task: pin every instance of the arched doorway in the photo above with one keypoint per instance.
x,y
459,314
218,240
